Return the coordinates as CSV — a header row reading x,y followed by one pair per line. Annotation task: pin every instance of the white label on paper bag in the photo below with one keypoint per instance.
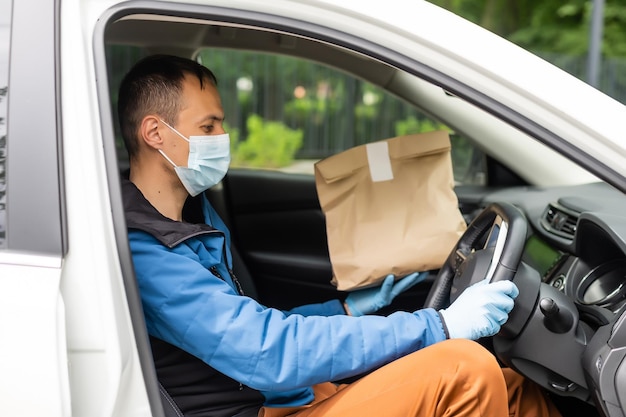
x,y
379,161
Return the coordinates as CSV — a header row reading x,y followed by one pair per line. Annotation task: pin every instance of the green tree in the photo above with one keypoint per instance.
x,y
555,26
269,144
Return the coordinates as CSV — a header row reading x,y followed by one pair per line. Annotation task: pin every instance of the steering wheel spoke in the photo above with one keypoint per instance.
x,y
491,246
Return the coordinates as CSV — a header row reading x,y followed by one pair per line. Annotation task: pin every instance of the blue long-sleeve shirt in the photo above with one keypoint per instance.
x,y
190,301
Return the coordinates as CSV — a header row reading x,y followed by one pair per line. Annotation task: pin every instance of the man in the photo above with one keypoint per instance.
x,y
221,353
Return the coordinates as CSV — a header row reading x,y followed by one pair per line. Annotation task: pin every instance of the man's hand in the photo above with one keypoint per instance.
x,y
480,310
370,300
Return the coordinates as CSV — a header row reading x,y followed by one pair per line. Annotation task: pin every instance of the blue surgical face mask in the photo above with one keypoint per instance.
x,y
209,158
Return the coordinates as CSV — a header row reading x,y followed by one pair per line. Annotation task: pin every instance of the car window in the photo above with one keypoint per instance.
x,y
286,113
5,32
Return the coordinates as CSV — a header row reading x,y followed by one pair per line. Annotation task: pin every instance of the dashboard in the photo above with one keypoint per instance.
x,y
602,285
574,340
576,240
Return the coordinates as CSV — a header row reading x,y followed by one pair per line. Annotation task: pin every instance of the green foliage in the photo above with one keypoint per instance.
x,y
412,125
558,31
556,27
549,26
462,152
614,43
314,107
268,145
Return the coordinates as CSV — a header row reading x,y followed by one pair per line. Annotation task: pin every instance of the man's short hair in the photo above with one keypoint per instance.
x,y
154,86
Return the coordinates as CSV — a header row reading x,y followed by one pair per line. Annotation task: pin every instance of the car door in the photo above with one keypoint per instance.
x,y
34,376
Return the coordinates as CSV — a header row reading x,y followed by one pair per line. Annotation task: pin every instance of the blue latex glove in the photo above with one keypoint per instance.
x,y
480,310
369,300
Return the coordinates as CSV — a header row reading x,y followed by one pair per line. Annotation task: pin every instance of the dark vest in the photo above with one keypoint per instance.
x,y
198,389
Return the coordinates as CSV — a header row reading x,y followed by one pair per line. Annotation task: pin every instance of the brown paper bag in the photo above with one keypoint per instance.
x,y
390,207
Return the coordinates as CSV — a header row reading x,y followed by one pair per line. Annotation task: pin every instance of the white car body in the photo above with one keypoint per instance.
x,y
68,341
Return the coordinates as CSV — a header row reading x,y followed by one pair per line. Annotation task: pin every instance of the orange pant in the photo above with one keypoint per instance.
x,y
453,378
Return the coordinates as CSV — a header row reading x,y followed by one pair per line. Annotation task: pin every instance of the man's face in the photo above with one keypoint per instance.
x,y
202,114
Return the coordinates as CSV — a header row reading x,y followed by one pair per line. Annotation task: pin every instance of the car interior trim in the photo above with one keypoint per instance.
x,y
10,257
36,203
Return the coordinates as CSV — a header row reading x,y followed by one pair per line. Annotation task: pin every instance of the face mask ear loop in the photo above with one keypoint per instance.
x,y
179,134
174,130
166,157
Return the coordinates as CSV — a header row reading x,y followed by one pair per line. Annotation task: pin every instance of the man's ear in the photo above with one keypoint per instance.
x,y
149,132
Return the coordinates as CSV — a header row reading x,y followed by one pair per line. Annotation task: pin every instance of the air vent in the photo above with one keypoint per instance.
x,y
560,221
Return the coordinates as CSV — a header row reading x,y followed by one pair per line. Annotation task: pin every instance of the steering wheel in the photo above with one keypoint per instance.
x,y
543,338
491,247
